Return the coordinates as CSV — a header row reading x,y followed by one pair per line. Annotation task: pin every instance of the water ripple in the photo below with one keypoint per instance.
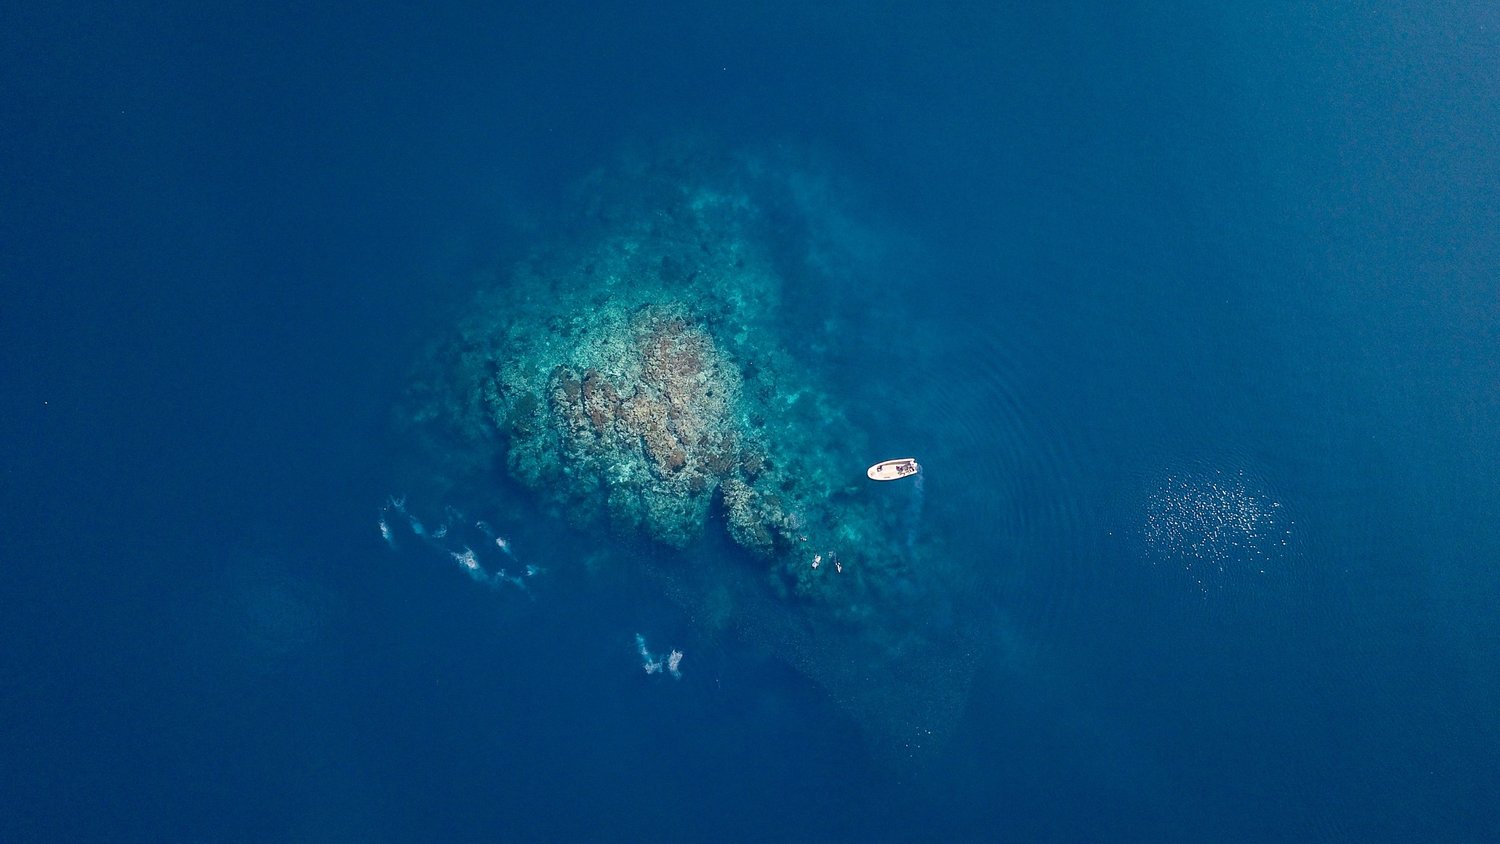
x,y
1002,465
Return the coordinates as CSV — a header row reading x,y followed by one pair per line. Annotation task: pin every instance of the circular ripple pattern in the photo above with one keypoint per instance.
x,y
970,390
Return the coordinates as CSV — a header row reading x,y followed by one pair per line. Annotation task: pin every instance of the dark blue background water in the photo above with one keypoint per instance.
x,y
1188,243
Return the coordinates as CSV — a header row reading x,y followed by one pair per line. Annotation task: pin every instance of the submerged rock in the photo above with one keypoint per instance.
x,y
642,377
641,414
639,376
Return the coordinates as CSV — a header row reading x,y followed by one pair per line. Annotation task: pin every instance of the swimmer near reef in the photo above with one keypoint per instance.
x,y
643,379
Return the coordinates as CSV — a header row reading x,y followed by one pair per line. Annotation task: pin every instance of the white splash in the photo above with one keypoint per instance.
x,y
449,540
469,563
653,664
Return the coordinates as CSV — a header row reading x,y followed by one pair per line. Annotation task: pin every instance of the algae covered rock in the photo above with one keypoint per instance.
x,y
642,413
643,375
637,376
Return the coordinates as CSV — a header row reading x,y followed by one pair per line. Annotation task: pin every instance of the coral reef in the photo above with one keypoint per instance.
x,y
637,376
644,375
647,423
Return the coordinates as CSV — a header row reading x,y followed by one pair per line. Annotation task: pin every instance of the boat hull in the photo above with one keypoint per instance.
x,y
892,470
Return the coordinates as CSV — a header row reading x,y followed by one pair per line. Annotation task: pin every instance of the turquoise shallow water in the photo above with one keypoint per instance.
x,y
1190,320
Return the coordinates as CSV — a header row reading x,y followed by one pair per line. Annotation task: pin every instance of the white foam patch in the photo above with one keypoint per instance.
x,y
456,542
654,664
1217,526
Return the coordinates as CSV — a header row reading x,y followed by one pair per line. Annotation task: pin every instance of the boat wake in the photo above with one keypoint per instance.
x,y
914,513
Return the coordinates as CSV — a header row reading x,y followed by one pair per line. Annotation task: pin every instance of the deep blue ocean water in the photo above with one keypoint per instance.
x,y
1202,348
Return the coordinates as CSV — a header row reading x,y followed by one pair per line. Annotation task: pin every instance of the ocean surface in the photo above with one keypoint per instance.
x,y
1197,346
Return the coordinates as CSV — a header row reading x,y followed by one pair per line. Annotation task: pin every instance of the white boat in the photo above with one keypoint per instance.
x,y
890,470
